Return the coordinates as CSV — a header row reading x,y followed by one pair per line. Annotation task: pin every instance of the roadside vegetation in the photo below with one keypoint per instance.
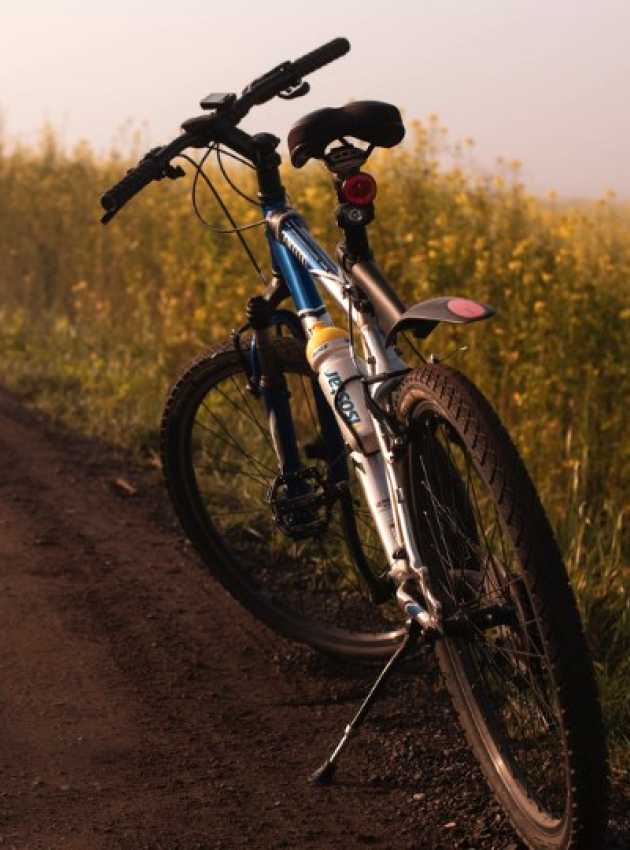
x,y
96,322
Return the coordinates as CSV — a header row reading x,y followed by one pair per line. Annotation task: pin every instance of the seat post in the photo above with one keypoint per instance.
x,y
355,211
353,221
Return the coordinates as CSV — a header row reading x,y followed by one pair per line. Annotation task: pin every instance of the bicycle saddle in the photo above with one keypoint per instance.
x,y
371,121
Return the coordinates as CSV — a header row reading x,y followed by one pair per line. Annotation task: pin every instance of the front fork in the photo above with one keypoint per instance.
x,y
271,382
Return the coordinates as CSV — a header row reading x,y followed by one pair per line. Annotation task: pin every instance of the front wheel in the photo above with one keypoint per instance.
x,y
292,562
516,662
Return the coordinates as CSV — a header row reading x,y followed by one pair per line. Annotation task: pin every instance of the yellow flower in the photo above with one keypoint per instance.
x,y
563,231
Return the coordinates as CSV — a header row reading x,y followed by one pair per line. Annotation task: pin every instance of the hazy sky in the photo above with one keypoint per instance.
x,y
544,82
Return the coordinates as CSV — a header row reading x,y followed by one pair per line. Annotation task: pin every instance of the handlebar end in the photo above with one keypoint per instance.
x,y
108,202
321,56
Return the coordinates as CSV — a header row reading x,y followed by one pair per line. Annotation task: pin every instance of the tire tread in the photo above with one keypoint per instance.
x,y
500,465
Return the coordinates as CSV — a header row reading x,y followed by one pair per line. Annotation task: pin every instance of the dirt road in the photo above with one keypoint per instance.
x,y
141,708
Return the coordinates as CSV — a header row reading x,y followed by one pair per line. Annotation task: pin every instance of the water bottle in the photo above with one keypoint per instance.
x,y
328,353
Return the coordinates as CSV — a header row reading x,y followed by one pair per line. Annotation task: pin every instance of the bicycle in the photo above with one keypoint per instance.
x,y
439,524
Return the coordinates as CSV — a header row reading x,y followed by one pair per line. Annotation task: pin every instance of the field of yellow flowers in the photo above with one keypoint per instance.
x,y
95,322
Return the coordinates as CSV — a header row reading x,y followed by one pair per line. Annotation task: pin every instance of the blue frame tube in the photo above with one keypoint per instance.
x,y
298,280
295,257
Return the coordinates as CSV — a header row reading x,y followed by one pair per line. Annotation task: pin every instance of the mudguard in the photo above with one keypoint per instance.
x,y
422,318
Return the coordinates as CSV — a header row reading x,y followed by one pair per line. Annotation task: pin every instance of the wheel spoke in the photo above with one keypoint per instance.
x,y
251,475
252,414
309,583
469,552
229,440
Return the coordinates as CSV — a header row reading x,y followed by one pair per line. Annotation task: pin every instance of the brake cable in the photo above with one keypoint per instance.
x,y
222,151
236,228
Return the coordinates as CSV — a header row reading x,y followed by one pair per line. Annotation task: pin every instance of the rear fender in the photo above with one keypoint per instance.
x,y
422,318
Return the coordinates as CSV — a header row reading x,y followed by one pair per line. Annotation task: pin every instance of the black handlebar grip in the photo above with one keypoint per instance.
x,y
130,185
320,56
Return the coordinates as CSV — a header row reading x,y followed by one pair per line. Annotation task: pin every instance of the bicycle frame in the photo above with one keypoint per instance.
x,y
511,664
302,264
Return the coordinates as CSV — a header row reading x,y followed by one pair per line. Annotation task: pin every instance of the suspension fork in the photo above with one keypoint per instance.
x,y
270,380
272,385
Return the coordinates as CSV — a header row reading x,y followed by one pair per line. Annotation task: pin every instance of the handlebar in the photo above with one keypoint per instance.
x,y
321,56
289,74
155,165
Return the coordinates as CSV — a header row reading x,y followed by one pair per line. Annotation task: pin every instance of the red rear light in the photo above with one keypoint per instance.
x,y
359,189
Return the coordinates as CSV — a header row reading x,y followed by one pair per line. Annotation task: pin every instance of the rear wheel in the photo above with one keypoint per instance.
x,y
516,662
293,569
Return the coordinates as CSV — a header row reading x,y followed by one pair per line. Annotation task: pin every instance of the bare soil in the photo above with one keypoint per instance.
x,y
141,708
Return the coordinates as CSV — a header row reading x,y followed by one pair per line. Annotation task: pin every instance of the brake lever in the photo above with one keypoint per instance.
x,y
168,170
279,69
299,90
173,171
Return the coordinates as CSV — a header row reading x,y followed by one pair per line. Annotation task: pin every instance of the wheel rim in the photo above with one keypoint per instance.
x,y
311,584
503,672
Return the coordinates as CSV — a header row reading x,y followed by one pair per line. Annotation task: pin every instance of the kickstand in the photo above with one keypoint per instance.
x,y
324,775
